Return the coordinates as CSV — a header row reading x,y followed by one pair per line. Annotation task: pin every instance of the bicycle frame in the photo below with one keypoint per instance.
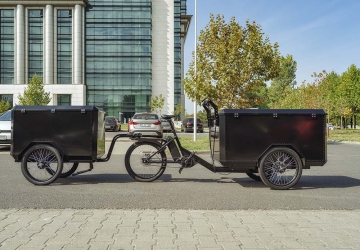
x,y
183,153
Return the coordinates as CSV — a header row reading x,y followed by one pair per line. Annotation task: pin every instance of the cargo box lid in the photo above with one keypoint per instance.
x,y
56,108
231,112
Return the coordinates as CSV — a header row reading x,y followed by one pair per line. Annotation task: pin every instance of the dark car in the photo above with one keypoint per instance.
x,y
188,125
111,123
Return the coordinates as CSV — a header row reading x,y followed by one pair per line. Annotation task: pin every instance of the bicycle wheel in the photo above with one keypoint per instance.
x,y
41,164
280,168
68,169
139,166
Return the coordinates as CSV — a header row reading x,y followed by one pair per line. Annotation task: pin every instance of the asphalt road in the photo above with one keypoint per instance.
x,y
334,186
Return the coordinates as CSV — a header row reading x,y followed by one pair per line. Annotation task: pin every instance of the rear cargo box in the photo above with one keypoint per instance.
x,y
244,135
77,132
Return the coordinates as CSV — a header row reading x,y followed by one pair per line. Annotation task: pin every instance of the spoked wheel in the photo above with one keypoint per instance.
x,y
254,176
68,169
140,166
280,168
41,164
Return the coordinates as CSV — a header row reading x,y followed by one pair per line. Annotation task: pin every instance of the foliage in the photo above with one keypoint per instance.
x,y
157,103
4,106
178,111
233,64
284,82
35,94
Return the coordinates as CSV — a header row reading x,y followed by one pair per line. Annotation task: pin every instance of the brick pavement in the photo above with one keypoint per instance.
x,y
178,229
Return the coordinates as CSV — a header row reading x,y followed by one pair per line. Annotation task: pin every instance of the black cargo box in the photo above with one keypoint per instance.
x,y
77,132
244,135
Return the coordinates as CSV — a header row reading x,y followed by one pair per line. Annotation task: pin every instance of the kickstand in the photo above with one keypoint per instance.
x,y
84,171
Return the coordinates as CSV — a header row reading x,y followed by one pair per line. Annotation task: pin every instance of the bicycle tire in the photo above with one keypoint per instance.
x,y
41,164
135,161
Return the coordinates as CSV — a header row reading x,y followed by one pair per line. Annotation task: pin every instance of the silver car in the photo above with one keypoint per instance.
x,y
5,128
166,125
147,124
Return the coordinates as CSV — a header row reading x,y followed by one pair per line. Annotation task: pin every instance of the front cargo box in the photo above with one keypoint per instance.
x,y
77,132
244,135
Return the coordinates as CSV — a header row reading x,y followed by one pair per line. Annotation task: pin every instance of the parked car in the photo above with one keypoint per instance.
x,y
111,123
188,125
166,125
146,123
118,123
5,128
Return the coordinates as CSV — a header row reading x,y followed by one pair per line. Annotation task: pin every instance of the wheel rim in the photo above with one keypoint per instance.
x,y
280,168
42,164
143,167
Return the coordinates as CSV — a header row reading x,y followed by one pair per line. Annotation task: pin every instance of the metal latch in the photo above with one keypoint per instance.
x,y
313,115
22,111
275,115
82,111
236,115
52,111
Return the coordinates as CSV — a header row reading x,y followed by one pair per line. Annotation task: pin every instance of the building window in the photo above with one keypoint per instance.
x,y
6,46
35,42
64,42
118,56
64,100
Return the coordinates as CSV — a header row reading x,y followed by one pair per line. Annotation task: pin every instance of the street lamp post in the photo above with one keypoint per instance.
x,y
195,105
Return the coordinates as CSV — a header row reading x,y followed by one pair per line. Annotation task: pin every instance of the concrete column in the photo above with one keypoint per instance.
x,y
49,45
77,51
163,52
20,45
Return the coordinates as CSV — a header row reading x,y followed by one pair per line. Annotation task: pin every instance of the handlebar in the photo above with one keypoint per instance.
x,y
207,105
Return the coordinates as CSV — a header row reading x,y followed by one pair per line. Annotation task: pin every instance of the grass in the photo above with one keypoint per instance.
x,y
344,135
201,143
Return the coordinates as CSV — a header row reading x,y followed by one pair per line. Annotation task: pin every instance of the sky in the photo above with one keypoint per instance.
x,y
319,34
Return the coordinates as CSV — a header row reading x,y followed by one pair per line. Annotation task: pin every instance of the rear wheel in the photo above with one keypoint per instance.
x,y
280,168
68,169
140,166
41,164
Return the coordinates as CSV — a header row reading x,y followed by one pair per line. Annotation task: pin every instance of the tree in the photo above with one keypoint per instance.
x,y
157,103
284,82
35,94
4,106
178,111
350,88
233,64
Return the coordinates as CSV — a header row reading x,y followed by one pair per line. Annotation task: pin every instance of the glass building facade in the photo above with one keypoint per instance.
x,y
7,46
35,42
114,54
64,46
118,55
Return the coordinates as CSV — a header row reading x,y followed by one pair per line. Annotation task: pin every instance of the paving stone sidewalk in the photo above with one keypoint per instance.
x,y
178,229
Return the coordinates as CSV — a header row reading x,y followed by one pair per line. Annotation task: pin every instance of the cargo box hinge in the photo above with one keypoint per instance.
x,y
52,111
313,115
236,115
275,115
82,111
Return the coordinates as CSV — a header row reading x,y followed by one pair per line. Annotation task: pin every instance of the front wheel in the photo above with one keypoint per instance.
x,y
141,165
280,168
41,164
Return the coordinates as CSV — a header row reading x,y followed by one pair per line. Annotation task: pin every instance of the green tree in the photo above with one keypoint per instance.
x,y
350,88
157,103
4,106
35,94
178,111
233,64
284,82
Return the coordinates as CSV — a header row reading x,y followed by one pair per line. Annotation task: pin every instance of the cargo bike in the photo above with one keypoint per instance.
x,y
273,146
